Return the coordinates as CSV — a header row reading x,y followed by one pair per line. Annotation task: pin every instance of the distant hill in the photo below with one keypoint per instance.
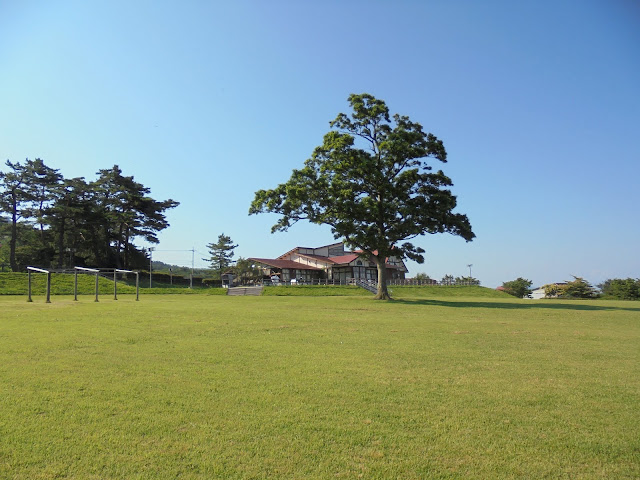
x,y
167,268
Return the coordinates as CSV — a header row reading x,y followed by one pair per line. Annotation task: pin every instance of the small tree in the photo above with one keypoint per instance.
x,y
447,280
423,278
520,287
246,271
624,289
579,288
553,290
466,281
221,254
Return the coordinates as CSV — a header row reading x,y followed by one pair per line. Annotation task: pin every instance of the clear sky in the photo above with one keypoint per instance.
x,y
205,102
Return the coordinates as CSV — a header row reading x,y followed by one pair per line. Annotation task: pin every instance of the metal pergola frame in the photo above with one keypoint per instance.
x,y
115,283
75,283
77,270
41,270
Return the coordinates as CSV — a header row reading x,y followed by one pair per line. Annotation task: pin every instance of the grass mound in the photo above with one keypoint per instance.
x,y
430,291
63,284
408,291
315,291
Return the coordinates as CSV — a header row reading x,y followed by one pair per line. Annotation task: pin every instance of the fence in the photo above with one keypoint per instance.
x,y
355,281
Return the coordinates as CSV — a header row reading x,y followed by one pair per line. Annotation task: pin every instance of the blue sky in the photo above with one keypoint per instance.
x,y
537,103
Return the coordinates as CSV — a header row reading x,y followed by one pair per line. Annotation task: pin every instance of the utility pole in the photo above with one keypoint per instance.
x,y
193,253
470,265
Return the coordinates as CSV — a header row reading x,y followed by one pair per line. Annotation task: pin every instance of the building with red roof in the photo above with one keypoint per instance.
x,y
331,262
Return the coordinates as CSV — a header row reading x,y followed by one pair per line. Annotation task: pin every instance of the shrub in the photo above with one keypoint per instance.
x,y
519,287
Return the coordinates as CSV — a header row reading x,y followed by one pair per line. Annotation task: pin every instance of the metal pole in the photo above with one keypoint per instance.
x,y
115,285
150,264
137,286
48,287
97,283
75,287
29,276
193,252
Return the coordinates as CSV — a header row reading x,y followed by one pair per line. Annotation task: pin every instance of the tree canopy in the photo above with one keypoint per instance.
x,y
624,289
520,287
221,254
54,222
371,182
577,288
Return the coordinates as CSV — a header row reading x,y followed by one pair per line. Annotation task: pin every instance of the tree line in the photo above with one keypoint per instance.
x,y
615,288
447,280
55,222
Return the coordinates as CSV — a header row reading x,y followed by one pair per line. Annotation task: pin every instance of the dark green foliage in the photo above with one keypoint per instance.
x,y
520,287
578,288
221,254
371,182
423,277
13,197
246,272
623,289
448,280
129,212
54,222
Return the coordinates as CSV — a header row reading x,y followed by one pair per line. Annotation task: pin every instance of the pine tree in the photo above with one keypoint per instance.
x,y
221,254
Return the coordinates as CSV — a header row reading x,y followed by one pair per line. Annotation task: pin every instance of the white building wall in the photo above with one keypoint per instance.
x,y
538,293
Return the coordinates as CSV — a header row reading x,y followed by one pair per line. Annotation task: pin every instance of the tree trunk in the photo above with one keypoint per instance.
x,y
14,233
119,246
126,248
61,250
383,293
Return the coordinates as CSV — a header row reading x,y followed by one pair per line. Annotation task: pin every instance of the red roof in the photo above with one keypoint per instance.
x,y
344,258
314,257
273,262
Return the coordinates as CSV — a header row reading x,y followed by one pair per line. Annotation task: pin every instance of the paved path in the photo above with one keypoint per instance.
x,y
235,291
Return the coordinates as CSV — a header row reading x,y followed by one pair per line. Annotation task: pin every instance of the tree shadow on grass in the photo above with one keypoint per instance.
x,y
533,304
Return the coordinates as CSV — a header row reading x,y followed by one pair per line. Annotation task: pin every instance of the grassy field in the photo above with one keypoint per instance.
x,y
199,387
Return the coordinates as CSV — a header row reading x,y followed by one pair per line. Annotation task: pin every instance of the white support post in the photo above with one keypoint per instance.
x,y
92,270
41,270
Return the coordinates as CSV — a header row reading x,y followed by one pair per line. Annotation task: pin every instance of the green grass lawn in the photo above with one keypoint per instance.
x,y
200,387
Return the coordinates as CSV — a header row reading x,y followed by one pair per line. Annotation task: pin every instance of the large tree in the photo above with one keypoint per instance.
x,y
129,212
371,182
13,198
